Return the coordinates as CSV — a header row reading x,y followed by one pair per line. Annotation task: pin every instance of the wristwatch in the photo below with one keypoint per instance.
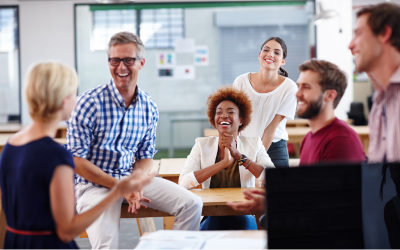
x,y
243,159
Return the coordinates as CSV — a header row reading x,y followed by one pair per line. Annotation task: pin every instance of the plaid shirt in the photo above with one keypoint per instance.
x,y
384,123
112,136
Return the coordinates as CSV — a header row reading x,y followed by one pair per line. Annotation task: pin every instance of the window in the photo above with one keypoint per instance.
x,y
108,22
158,27
10,98
7,29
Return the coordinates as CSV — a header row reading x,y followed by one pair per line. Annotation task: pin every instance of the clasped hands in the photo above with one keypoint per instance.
x,y
230,151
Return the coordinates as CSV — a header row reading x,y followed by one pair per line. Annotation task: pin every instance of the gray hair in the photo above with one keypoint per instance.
x,y
125,37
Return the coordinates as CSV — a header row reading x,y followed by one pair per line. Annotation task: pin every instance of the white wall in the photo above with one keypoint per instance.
x,y
332,46
56,40
46,33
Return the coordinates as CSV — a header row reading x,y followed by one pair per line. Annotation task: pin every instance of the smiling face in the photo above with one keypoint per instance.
x,y
271,56
125,77
365,46
227,118
310,95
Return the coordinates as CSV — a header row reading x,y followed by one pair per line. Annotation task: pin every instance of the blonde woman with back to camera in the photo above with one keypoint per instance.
x,y
36,173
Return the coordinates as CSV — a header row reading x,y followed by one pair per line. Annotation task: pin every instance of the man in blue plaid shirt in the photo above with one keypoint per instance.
x,y
113,129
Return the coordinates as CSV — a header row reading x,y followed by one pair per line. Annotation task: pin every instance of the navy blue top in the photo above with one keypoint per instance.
x,y
25,175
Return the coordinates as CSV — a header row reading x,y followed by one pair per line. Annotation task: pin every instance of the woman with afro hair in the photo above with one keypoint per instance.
x,y
227,160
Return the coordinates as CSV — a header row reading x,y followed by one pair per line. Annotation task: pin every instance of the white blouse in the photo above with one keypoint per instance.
x,y
205,151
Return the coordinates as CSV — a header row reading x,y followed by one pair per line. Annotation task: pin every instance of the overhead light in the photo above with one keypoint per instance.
x,y
323,14
115,1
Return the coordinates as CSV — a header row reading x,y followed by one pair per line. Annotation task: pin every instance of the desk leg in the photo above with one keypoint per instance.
x,y
2,225
145,225
168,222
297,149
365,142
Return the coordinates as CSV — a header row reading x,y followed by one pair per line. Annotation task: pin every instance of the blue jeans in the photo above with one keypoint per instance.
x,y
279,154
237,222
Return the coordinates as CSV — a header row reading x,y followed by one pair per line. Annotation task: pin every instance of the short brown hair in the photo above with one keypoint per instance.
x,y
331,76
382,15
229,93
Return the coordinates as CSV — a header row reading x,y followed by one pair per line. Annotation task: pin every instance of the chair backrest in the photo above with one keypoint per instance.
x,y
356,113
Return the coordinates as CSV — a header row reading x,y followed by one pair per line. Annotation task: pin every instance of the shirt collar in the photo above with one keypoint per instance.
x,y
118,99
396,76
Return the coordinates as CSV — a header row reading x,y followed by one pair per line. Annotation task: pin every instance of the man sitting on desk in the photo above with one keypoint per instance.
x,y
321,86
112,130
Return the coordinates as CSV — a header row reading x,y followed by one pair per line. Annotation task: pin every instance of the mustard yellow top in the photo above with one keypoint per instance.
x,y
226,178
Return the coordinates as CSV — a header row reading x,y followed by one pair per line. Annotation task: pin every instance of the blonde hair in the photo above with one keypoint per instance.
x,y
46,87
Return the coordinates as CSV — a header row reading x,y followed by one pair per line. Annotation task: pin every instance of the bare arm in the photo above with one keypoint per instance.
x,y
62,201
144,165
203,174
92,173
269,131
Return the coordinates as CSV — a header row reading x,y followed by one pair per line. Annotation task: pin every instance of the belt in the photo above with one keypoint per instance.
x,y
30,233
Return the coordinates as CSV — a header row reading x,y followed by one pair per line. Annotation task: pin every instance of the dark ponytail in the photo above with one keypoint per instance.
x,y
283,72
279,40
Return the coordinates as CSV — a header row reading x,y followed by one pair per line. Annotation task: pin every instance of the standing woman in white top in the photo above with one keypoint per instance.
x,y
273,99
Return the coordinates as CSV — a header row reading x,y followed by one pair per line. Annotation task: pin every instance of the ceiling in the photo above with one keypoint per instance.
x,y
359,3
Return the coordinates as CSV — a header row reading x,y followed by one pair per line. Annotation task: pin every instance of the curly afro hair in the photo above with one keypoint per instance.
x,y
229,93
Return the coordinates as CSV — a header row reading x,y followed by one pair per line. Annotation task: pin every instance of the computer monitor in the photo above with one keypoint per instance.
x,y
335,206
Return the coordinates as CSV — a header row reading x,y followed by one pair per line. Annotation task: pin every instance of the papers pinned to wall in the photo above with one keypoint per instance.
x,y
185,72
165,59
165,65
165,73
201,56
184,45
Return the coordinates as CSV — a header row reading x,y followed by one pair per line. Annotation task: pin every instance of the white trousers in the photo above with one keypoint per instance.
x,y
165,196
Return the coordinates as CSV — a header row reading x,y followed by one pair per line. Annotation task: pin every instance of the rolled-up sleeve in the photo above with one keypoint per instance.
x,y
147,146
193,163
263,159
80,126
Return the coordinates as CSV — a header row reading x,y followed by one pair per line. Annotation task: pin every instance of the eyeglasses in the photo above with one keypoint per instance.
x,y
128,61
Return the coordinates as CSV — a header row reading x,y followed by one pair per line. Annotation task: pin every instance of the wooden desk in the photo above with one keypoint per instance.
x,y
296,122
214,203
10,128
296,135
170,169
14,128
